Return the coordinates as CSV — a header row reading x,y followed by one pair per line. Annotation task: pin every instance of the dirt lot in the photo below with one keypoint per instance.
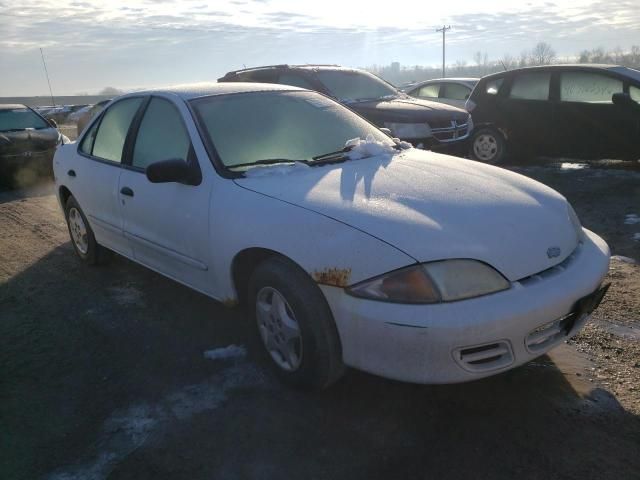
x,y
103,374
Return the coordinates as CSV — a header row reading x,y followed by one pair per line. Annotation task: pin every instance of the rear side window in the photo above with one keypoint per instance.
x,y
161,136
294,80
87,142
454,91
493,86
531,86
429,91
112,131
259,76
588,87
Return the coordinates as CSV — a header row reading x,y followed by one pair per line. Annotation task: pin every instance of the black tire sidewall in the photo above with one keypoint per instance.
x,y
321,353
500,142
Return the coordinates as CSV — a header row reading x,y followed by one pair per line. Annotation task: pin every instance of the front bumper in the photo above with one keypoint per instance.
x,y
40,162
470,339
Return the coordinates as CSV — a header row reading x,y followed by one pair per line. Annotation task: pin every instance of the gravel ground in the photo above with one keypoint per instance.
x,y
116,372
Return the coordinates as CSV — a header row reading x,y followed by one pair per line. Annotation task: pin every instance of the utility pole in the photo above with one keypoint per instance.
x,y
443,30
53,102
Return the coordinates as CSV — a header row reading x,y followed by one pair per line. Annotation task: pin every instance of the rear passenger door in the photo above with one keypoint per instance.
x,y
588,123
528,114
93,175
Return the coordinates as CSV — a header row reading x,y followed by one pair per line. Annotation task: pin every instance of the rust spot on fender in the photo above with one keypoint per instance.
x,y
337,277
229,302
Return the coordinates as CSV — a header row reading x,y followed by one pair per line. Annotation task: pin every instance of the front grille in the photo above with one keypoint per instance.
x,y
555,270
482,358
452,133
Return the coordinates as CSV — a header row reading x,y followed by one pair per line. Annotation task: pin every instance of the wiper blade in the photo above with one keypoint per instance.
x,y
268,161
326,157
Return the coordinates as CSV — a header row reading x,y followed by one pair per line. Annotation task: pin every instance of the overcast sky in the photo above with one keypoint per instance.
x,y
89,45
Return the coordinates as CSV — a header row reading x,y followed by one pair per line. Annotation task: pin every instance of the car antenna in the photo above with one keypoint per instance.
x,y
503,65
53,102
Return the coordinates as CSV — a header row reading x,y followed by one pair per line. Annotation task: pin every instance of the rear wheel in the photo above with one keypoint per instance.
x,y
295,325
489,146
82,237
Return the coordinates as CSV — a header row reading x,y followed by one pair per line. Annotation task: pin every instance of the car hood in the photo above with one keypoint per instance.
x,y
410,110
30,140
434,207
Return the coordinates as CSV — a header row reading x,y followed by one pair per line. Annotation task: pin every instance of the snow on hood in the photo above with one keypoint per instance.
x,y
434,207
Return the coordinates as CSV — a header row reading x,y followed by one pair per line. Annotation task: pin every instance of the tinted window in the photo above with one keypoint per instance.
x,y
162,135
531,86
295,80
113,129
635,93
429,91
588,87
260,76
352,85
249,127
493,86
454,91
19,119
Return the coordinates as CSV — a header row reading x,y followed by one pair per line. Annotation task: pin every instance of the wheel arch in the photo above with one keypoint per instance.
x,y
63,195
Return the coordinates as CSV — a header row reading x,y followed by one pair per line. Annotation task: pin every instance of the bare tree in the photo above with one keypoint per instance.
x,y
542,54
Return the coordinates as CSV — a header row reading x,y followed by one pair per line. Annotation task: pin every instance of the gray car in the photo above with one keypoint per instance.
x,y
452,91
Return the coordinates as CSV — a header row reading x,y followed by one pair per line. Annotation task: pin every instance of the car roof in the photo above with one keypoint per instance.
x,y
630,72
11,106
306,66
196,90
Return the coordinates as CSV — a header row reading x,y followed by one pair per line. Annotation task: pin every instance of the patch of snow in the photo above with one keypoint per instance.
x,y
370,147
621,258
631,219
278,169
232,351
573,166
129,429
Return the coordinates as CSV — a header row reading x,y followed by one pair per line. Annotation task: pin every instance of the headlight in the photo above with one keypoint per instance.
x,y
443,281
409,130
575,221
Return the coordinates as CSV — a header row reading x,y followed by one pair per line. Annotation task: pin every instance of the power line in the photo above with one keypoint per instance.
x,y
53,102
444,31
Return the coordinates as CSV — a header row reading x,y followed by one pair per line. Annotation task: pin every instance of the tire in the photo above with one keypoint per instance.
x,y
305,331
488,145
82,237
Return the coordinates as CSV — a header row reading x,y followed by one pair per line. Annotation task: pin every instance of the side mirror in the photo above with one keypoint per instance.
x,y
52,122
165,171
623,100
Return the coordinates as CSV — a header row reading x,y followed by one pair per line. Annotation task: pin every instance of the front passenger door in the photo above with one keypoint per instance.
x,y
166,223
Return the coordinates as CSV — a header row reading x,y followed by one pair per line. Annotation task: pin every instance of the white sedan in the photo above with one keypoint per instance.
x,y
350,247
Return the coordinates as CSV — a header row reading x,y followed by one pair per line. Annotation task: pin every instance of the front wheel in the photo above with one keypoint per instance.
x,y
295,325
82,237
489,146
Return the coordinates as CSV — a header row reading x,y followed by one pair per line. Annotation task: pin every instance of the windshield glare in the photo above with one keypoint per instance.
x,y
20,119
349,86
248,127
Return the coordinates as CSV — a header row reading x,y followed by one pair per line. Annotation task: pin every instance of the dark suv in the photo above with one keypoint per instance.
x,y
576,111
425,124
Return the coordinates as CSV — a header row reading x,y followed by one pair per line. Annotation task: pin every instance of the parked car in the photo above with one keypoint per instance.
x,y
27,141
85,117
349,247
577,111
425,124
452,91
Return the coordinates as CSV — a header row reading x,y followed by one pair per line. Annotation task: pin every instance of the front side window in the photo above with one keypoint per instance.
x,y
634,92
353,86
531,86
113,129
588,87
248,127
455,91
429,91
161,136
21,119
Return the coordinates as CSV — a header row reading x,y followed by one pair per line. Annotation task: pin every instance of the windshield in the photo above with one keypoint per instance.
x,y
249,127
20,119
352,86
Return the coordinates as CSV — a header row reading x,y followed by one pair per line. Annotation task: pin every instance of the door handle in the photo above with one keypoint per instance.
x,y
71,173
126,191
